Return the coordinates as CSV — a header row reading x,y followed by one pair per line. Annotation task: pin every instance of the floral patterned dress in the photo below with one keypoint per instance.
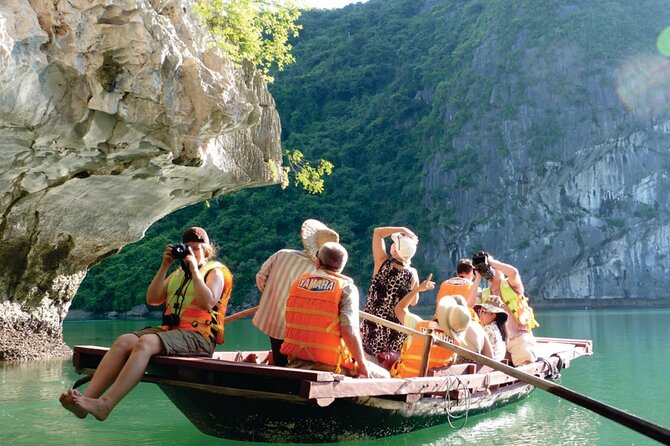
x,y
388,286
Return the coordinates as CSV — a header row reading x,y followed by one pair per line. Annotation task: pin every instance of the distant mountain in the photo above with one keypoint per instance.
x,y
538,131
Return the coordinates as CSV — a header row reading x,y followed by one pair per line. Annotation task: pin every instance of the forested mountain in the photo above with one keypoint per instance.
x,y
537,131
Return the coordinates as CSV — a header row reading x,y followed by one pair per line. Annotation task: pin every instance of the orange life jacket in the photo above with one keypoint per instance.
x,y
209,323
455,285
313,320
411,354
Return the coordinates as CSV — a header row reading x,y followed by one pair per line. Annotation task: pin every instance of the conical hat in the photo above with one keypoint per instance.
x,y
452,317
314,234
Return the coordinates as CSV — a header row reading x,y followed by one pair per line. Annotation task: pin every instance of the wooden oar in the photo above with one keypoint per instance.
x,y
658,433
241,314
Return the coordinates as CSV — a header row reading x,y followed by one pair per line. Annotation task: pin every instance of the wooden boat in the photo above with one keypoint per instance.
x,y
229,398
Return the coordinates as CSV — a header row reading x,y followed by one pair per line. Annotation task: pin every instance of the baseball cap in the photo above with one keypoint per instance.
x,y
195,234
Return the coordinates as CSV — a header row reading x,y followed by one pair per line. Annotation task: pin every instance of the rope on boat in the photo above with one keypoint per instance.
x,y
552,371
447,400
559,364
487,383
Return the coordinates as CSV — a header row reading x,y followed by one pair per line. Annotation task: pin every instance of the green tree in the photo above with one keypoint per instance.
x,y
257,31
308,177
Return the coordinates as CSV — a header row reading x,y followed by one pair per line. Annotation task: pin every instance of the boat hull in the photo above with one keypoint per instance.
x,y
281,421
232,396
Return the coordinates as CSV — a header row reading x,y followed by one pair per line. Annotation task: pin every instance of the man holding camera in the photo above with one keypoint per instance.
x,y
191,325
505,281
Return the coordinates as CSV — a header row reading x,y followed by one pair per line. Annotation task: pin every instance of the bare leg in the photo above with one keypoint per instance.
x,y
130,375
109,368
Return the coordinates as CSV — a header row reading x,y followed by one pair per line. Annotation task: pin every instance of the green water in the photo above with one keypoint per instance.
x,y
628,370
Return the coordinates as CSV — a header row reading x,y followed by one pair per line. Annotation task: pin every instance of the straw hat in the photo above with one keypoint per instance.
x,y
494,304
474,338
314,234
453,318
405,246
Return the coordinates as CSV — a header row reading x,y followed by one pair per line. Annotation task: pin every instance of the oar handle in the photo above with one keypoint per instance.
x,y
658,433
241,314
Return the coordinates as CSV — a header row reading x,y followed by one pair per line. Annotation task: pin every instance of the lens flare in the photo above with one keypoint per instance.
x,y
643,84
663,42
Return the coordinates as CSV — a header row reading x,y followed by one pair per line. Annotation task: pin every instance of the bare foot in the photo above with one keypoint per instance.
x,y
67,401
95,406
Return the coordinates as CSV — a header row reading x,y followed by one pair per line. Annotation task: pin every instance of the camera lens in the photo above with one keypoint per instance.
x,y
171,320
179,251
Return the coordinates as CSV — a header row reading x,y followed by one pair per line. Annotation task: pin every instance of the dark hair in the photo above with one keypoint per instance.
x,y
333,256
502,327
464,266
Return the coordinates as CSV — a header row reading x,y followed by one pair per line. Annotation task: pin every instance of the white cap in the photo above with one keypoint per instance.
x,y
405,246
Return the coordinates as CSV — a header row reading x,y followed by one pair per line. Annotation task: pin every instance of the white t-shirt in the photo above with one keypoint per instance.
x,y
498,348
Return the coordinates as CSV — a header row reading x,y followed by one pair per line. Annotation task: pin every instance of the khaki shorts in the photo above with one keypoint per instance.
x,y
522,348
180,342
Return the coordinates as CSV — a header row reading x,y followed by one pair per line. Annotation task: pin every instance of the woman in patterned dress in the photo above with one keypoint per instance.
x,y
392,279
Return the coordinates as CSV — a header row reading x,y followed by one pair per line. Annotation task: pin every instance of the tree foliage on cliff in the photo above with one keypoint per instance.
x,y
378,89
257,31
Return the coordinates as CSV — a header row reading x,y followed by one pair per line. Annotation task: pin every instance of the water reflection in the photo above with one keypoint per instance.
x,y
527,423
16,376
626,371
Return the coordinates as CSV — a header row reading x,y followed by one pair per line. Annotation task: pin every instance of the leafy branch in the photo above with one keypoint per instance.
x,y
310,178
254,30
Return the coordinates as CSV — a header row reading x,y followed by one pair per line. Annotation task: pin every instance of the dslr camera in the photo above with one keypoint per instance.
x,y
480,262
171,320
179,251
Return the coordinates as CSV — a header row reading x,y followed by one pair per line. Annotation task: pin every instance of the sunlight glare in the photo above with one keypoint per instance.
x,y
663,42
643,84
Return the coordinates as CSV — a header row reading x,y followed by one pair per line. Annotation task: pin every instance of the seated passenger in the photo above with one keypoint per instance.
x,y
276,276
450,323
392,278
493,318
461,283
506,282
322,327
475,338
195,298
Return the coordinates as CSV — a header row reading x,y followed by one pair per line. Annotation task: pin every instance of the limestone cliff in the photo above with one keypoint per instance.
x,y
113,113
561,166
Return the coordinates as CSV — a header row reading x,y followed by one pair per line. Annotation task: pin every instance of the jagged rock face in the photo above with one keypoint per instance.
x,y
113,113
565,174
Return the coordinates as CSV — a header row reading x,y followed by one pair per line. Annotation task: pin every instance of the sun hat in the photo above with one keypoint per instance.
x,y
405,246
453,318
195,234
494,304
474,338
314,234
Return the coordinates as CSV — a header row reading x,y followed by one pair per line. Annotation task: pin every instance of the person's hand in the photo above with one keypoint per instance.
x,y
167,256
427,284
363,369
190,260
410,234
